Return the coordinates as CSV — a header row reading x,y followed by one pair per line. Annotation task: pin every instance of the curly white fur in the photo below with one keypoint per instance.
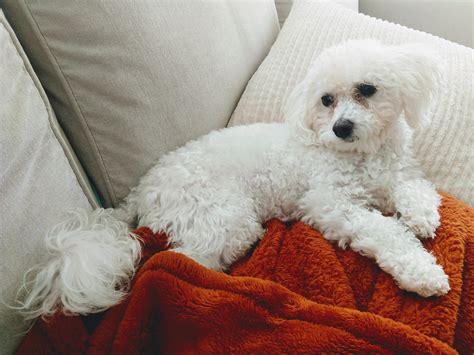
x,y
212,195
92,258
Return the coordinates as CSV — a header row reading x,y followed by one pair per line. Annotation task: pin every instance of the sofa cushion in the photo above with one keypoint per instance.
x,y
40,178
131,80
445,148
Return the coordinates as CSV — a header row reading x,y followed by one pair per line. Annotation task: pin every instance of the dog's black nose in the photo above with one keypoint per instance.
x,y
343,128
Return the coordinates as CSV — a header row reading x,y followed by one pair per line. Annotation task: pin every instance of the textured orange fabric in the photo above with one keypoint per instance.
x,y
294,293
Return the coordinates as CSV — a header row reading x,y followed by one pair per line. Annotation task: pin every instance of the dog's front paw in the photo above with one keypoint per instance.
x,y
427,281
423,225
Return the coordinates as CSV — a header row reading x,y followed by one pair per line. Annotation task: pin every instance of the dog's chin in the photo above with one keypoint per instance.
x,y
329,140
349,144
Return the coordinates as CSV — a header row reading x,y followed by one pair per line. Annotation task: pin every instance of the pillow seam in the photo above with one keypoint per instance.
x,y
75,105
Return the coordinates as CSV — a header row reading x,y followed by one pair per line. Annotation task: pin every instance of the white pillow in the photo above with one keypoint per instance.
x,y
445,148
39,179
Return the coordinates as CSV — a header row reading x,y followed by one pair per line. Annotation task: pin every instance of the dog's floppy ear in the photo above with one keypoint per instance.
x,y
420,73
296,109
295,106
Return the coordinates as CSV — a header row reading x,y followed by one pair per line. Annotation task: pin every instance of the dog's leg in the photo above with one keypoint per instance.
x,y
212,226
417,203
209,258
398,252
395,249
219,242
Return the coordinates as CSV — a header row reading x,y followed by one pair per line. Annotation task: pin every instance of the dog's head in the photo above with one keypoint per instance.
x,y
355,92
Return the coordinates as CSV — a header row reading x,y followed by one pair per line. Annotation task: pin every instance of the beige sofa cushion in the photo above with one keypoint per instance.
x,y
131,80
39,178
445,148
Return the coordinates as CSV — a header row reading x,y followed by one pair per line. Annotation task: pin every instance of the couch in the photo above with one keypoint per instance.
x,y
93,93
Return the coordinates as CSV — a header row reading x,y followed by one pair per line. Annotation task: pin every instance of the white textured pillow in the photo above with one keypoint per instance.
x,y
445,148
39,179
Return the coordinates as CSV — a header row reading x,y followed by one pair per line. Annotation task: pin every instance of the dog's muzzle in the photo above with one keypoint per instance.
x,y
343,128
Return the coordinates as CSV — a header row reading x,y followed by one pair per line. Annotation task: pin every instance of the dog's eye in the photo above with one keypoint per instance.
x,y
366,90
327,100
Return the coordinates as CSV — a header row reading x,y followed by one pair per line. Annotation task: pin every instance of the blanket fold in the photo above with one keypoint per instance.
x,y
295,292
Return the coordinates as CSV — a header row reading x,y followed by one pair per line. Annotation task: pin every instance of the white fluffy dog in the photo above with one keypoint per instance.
x,y
343,158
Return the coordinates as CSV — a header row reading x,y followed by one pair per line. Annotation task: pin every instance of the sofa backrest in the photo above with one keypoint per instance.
x,y
131,80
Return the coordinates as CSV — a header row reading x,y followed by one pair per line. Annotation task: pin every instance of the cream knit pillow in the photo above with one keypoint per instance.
x,y
445,148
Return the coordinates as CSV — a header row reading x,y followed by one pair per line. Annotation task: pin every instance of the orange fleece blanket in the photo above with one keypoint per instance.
x,y
295,292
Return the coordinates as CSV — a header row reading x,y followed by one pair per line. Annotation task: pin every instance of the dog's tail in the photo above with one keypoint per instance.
x,y
92,258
